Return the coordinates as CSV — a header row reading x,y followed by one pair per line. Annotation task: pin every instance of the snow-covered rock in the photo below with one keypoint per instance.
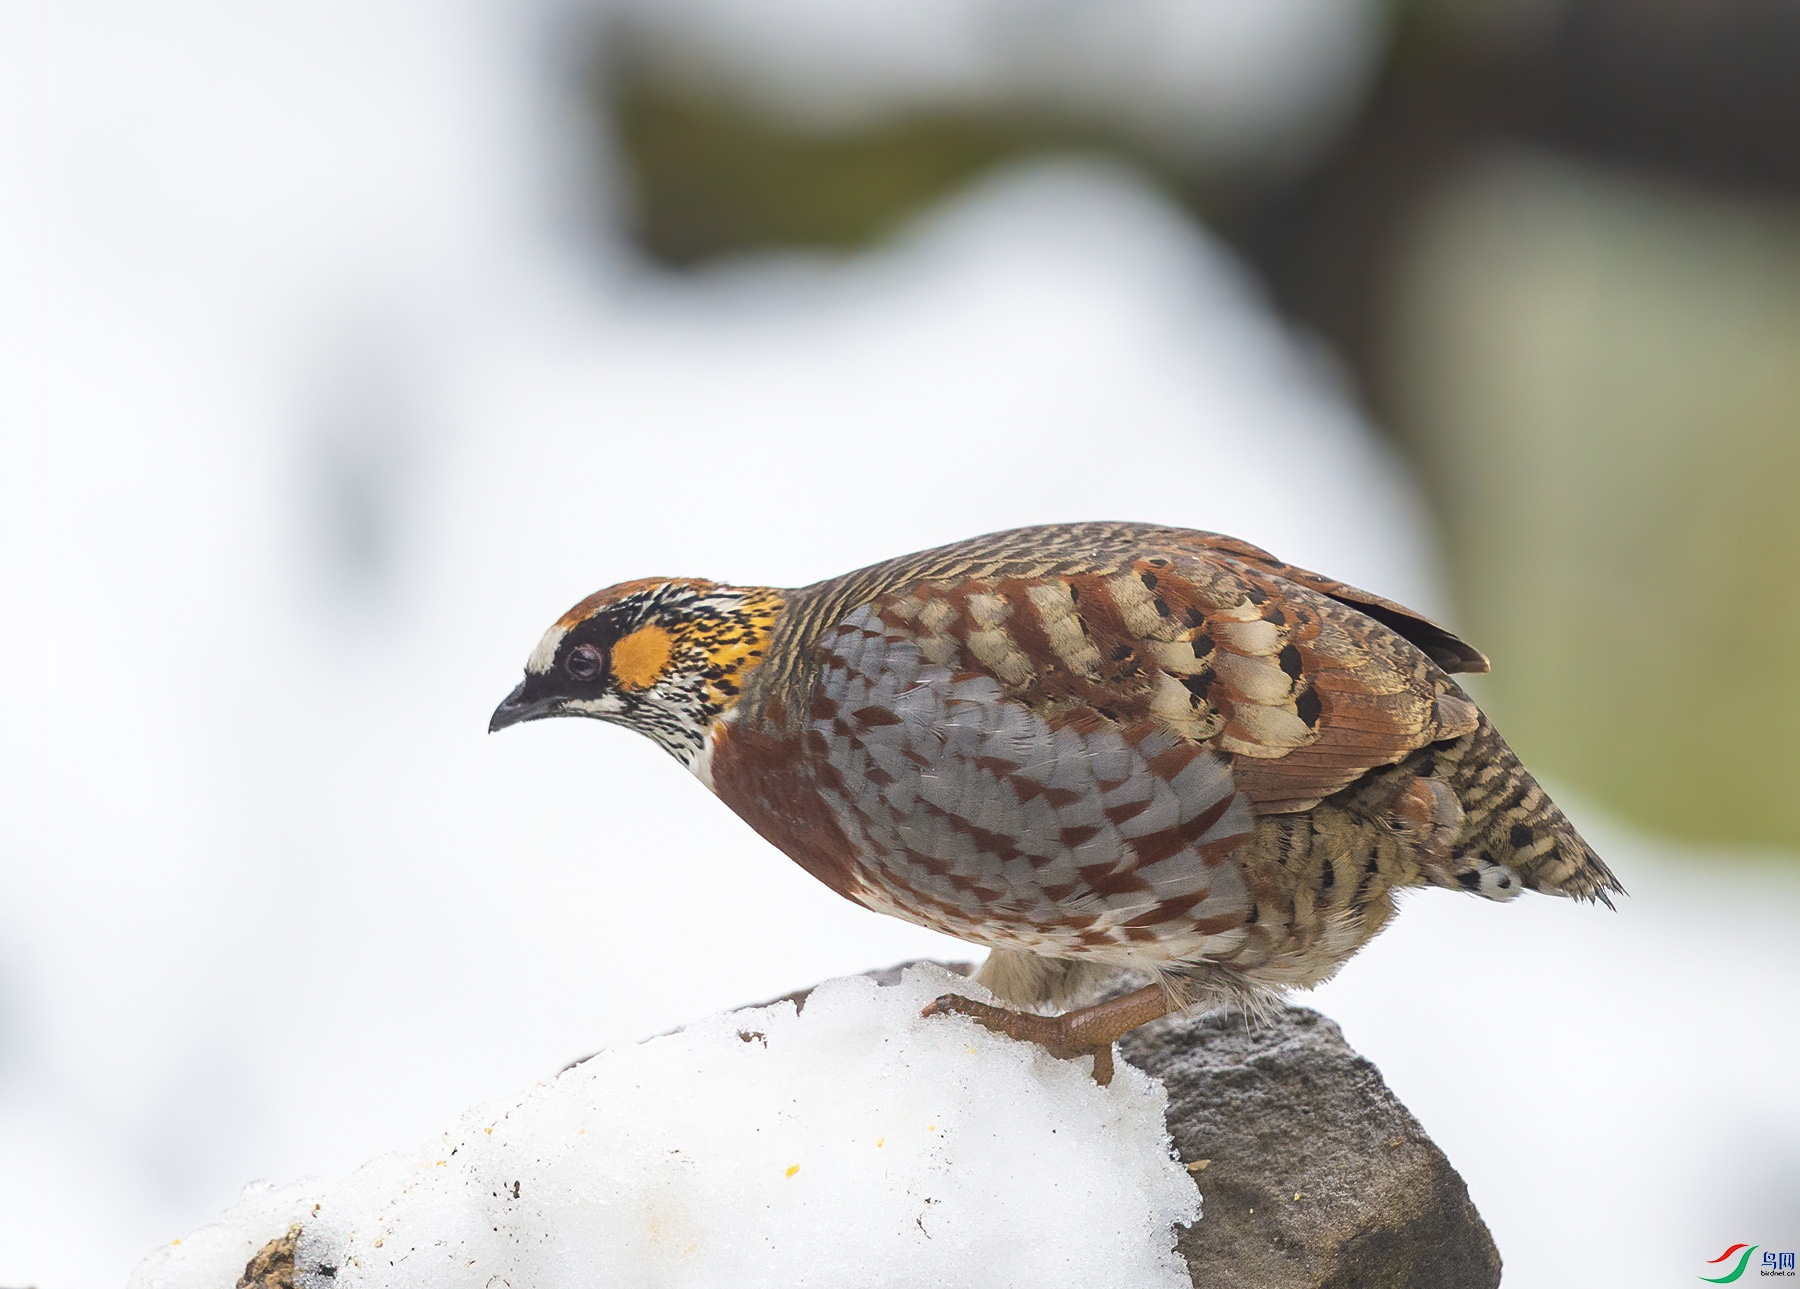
x,y
849,1143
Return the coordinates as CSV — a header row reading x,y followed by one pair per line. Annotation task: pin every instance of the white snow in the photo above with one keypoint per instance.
x,y
853,1144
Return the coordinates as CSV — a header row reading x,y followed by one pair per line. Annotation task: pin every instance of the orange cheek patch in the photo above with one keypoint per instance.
x,y
639,658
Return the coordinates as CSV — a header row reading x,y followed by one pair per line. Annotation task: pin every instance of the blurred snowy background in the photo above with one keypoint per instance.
x,y
342,345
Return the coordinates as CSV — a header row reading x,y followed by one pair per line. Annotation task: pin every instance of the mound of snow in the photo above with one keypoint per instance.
x,y
851,1143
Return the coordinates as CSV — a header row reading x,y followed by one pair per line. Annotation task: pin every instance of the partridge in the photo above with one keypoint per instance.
x,y
1086,747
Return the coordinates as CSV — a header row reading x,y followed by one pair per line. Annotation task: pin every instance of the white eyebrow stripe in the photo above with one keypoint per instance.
x,y
544,656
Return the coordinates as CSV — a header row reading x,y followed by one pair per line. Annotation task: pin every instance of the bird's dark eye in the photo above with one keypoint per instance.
x,y
584,662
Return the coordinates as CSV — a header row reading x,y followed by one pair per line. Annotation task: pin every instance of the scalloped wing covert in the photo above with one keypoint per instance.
x,y
1301,692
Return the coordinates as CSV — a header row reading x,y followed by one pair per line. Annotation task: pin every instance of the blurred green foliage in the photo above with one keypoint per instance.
x,y
1602,378
712,176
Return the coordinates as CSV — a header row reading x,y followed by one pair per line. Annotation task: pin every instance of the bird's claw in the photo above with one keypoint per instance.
x,y
1049,1032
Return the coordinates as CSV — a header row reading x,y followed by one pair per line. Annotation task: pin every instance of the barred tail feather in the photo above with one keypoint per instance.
x,y
1511,827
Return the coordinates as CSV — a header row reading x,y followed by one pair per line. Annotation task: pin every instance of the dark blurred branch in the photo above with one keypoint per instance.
x,y
712,177
1697,91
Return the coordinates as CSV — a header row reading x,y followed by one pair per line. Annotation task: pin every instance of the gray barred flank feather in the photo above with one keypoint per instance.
x,y
973,816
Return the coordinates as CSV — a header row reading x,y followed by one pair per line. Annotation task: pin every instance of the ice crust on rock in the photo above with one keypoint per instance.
x,y
852,1143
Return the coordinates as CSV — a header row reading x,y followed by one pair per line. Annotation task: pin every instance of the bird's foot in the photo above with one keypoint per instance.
x,y
1048,1032
1086,1031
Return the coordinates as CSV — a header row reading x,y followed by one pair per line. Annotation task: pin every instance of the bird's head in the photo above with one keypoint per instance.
x,y
664,656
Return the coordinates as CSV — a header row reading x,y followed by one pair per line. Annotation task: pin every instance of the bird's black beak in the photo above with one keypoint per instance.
x,y
516,707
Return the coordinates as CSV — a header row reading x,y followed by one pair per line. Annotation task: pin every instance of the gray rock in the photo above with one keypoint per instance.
x,y
1318,1177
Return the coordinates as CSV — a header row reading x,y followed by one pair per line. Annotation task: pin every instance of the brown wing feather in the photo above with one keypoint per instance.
x,y
1305,692
1443,647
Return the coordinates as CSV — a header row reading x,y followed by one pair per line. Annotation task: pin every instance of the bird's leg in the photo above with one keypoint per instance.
x,y
1086,1031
